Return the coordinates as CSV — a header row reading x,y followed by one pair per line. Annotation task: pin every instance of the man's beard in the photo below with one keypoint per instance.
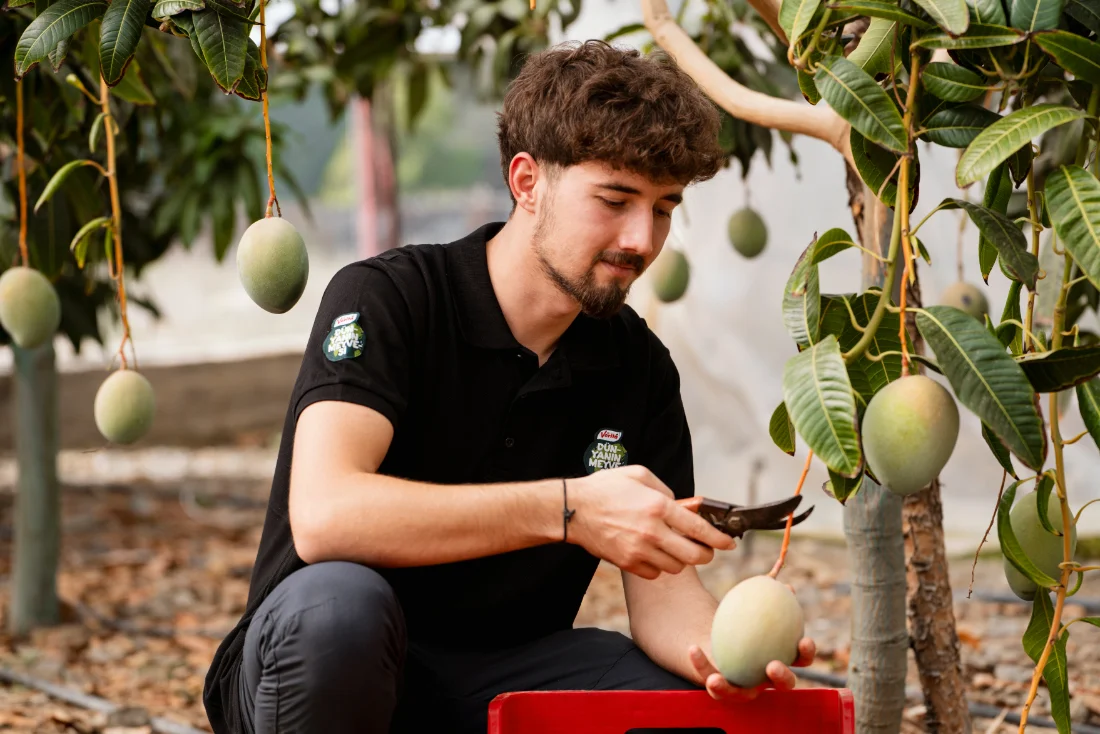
x,y
598,301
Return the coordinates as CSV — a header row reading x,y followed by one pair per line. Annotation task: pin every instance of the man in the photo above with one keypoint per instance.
x,y
475,425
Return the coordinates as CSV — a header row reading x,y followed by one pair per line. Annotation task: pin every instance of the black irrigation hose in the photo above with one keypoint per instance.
x,y
984,710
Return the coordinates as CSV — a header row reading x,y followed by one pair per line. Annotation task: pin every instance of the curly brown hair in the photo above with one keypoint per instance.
x,y
591,101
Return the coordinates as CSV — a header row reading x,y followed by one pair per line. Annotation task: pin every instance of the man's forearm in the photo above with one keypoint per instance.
x,y
683,618
384,521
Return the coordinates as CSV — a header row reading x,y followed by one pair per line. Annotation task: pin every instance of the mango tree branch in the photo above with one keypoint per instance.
x,y
786,115
769,11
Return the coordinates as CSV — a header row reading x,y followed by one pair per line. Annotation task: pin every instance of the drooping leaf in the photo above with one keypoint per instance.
x,y
781,429
951,15
802,301
1062,368
79,244
119,36
989,12
795,16
1044,488
1003,138
54,25
819,399
882,10
1035,15
1019,163
1000,232
1055,674
1010,546
952,83
834,241
165,9
1085,12
956,127
224,44
230,10
874,163
1009,334
998,191
254,81
808,88
922,250
1088,402
132,88
867,376
1077,55
57,56
93,134
986,380
843,488
1073,198
979,35
1000,451
59,178
873,52
857,97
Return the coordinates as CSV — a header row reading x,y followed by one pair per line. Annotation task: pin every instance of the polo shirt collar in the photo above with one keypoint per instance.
x,y
588,343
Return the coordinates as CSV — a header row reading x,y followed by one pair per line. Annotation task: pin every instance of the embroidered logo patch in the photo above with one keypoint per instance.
x,y
606,452
345,339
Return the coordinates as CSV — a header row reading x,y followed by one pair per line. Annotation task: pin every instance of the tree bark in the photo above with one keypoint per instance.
x,y
872,524
933,636
37,523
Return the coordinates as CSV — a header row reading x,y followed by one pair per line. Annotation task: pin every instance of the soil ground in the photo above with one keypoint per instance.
x,y
154,572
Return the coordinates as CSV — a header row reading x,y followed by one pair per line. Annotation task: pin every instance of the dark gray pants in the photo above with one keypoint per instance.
x,y
327,652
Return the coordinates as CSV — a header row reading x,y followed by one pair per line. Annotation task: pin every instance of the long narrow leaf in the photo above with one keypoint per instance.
x,y
1073,200
781,429
978,36
988,12
795,16
1088,402
952,83
1062,368
1010,546
873,52
1056,671
1003,138
802,300
118,39
54,25
1035,15
883,10
1000,232
956,127
858,98
1077,55
951,15
59,178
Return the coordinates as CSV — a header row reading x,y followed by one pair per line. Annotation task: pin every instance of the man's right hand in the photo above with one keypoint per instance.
x,y
628,517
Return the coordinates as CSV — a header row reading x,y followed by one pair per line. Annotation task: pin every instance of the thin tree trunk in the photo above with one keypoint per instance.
x,y
37,531
934,638
872,525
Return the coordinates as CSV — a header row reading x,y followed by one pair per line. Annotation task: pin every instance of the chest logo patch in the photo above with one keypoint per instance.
x,y
606,452
345,340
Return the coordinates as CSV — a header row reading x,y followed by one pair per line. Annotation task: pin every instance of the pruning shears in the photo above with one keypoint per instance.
x,y
736,520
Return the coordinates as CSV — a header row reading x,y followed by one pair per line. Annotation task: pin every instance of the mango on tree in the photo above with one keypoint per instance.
x,y
273,264
29,307
124,406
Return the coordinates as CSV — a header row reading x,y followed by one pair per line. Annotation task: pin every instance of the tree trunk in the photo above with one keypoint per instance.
x,y
934,638
872,525
37,522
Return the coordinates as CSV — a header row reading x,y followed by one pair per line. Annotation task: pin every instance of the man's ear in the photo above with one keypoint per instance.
x,y
524,175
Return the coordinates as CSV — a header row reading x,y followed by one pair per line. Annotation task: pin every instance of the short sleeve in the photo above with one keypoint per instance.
x,y
359,350
667,439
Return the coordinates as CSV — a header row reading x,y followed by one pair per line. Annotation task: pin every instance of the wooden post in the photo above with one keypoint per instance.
x,y
37,532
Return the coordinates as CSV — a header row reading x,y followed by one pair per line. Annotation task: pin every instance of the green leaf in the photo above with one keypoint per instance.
x,y
867,376
834,241
1077,55
1061,369
254,81
1010,546
59,178
417,91
1000,232
54,25
882,10
1055,674
874,163
922,250
1003,138
1011,335
1094,621
856,97
951,15
119,37
820,401
93,134
79,244
808,88
57,56
952,83
230,10
1046,484
165,9
956,127
802,301
1085,12
872,54
1088,402
1000,451
782,430
224,44
1073,198
1035,15
998,191
979,35
795,16
987,12
986,380
842,488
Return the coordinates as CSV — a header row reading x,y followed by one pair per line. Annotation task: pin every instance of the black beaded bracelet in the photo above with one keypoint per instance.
x,y
566,513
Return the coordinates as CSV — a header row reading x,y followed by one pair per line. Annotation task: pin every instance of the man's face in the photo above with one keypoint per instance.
x,y
597,231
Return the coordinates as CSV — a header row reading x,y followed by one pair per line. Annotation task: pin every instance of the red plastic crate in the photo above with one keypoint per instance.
x,y
817,710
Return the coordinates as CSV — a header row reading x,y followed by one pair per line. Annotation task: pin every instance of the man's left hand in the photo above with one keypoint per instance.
x,y
780,676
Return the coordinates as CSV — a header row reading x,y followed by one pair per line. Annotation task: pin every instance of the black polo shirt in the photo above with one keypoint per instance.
x,y
418,335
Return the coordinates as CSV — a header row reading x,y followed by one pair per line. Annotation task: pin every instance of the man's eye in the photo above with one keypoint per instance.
x,y
612,204
663,213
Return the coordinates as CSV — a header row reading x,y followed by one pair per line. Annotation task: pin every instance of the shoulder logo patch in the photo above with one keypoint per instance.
x,y
345,340
606,452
